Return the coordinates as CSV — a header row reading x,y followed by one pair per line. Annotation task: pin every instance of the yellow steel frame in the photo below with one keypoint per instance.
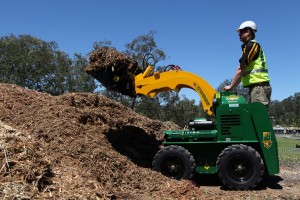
x,y
150,85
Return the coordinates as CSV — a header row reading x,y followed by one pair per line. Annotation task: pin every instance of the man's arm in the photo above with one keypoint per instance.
x,y
250,53
237,77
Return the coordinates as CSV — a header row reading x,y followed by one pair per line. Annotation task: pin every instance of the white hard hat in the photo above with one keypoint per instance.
x,y
247,24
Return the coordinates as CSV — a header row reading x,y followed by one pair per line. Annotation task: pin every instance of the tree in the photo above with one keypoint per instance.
x,y
35,64
182,111
143,45
150,107
23,60
138,49
78,80
276,111
297,108
101,44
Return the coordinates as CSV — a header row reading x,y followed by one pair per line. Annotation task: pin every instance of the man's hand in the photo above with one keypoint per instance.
x,y
227,87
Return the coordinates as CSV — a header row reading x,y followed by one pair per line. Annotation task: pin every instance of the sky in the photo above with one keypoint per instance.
x,y
199,36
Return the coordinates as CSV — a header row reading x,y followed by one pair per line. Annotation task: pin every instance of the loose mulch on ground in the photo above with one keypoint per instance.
x,y
86,146
79,145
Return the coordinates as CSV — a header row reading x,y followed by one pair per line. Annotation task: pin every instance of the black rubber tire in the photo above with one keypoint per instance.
x,y
174,162
240,167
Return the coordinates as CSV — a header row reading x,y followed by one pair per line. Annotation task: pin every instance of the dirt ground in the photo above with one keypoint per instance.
x,y
86,146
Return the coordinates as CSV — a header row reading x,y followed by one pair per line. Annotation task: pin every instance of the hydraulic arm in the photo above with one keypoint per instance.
x,y
120,73
174,80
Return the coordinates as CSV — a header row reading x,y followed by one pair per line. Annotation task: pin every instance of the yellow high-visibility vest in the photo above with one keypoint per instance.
x,y
256,71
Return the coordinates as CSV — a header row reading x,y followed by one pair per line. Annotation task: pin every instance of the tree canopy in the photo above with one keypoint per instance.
x,y
39,65
287,111
35,64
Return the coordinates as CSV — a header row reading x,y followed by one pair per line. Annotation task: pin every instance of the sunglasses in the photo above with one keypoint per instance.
x,y
241,32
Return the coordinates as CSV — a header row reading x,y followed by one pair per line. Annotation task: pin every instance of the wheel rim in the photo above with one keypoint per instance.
x,y
173,167
240,168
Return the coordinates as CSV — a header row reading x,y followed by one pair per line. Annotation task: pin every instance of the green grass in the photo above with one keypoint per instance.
x,y
287,150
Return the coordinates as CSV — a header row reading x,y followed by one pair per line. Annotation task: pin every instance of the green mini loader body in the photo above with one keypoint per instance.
x,y
239,145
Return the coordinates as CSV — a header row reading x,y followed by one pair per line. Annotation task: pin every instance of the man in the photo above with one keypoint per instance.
x,y
253,70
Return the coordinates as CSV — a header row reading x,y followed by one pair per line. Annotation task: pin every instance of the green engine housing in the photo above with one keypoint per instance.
x,y
235,122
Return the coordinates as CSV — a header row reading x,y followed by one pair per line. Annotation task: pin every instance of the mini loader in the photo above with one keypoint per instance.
x,y
238,144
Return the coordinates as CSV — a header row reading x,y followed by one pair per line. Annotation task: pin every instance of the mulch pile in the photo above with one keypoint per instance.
x,y
79,146
114,70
